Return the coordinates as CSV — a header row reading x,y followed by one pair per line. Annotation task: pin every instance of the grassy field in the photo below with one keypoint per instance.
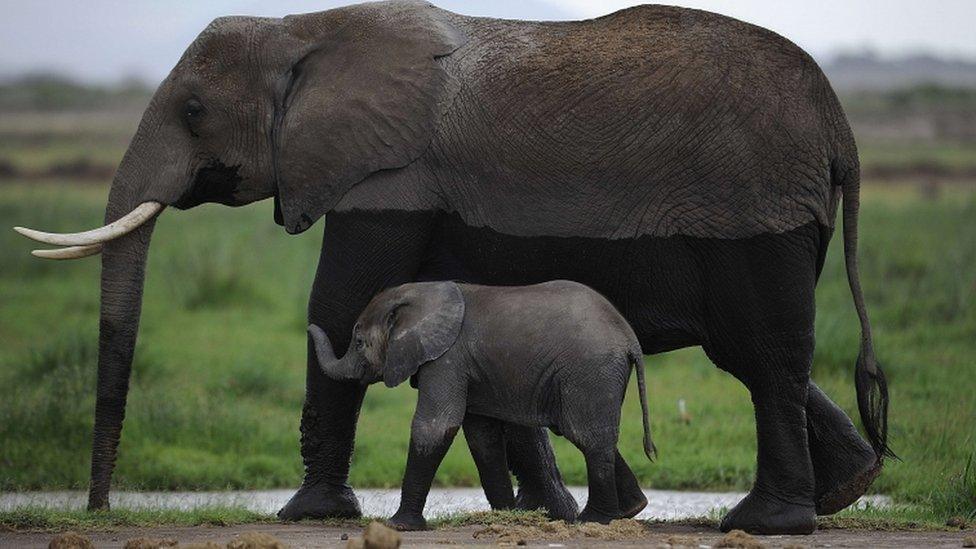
x,y
219,375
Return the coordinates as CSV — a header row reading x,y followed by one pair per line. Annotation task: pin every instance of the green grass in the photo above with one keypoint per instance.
x,y
218,381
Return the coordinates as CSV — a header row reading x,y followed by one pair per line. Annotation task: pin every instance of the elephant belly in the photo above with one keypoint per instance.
x,y
660,284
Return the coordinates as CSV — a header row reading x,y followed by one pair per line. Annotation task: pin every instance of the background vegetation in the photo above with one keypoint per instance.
x,y
219,375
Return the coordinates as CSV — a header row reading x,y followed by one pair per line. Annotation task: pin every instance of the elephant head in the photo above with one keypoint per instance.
x,y
300,108
398,331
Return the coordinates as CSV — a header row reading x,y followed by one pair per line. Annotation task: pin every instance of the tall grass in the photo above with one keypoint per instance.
x,y
958,498
211,276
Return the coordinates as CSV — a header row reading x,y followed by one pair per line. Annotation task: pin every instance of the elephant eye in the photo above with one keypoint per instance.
x,y
193,109
359,342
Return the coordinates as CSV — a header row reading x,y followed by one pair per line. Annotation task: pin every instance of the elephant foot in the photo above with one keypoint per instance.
x,y
593,515
844,464
632,504
843,493
758,514
558,503
407,522
321,501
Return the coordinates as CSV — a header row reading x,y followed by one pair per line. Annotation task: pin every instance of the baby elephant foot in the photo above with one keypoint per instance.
x,y
590,514
407,521
558,503
759,514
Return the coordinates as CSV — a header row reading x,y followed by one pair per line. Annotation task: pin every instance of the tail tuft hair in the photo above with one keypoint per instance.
x,y
872,401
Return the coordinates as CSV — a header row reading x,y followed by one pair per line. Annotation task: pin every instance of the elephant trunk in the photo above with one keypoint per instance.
x,y
345,369
123,274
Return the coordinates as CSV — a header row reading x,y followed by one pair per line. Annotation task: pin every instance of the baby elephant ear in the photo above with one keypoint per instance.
x,y
425,325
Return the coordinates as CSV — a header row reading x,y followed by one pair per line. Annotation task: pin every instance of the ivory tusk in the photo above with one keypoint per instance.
x,y
74,252
124,225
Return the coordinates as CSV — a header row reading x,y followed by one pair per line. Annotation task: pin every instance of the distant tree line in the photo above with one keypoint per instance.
x,y
53,92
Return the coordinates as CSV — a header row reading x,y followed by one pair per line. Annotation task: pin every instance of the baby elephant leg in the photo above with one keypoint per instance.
x,y
426,452
435,422
602,504
533,462
486,440
630,497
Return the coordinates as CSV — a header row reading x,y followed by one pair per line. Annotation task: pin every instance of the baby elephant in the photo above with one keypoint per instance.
x,y
555,354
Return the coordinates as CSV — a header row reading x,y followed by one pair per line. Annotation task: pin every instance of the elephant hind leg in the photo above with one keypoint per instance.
x,y
593,427
782,497
630,498
486,440
533,462
602,504
760,328
844,464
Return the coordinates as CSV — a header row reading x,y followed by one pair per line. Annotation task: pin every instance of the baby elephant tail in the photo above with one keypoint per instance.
x,y
637,360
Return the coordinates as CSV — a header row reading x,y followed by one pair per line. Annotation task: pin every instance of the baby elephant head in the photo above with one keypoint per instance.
x,y
398,331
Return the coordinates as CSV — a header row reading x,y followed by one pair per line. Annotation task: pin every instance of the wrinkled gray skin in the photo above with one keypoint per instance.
x,y
680,135
555,355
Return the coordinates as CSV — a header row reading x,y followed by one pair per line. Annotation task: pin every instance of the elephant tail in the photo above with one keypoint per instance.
x,y
637,360
869,379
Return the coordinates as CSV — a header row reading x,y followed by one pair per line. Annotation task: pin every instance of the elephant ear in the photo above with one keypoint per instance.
x,y
425,324
364,95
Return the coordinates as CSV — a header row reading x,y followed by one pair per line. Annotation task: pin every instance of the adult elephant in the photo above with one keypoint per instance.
x,y
686,165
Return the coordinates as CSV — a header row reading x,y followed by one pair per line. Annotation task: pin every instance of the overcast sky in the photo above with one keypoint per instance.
x,y
104,40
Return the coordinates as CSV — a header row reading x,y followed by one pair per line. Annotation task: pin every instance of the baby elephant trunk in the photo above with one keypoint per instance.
x,y
344,369
638,362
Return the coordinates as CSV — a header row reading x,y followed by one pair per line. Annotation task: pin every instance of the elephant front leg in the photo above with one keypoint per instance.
x,y
362,253
428,446
440,412
328,431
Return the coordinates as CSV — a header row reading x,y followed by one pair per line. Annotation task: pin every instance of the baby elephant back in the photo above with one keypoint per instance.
x,y
557,317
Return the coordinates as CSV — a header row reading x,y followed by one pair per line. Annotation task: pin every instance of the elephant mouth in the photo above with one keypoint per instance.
x,y
215,182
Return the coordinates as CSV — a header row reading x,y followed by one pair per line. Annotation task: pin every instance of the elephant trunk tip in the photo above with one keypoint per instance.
x,y
323,347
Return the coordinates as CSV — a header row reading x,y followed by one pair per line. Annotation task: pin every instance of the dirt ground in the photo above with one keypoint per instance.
x,y
311,535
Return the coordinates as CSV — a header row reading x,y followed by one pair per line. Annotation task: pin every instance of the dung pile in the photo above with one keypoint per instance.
x,y
376,536
616,530
255,540
559,530
70,540
682,541
739,539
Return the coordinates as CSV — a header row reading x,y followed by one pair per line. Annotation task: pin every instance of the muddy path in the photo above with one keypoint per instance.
x,y
658,535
